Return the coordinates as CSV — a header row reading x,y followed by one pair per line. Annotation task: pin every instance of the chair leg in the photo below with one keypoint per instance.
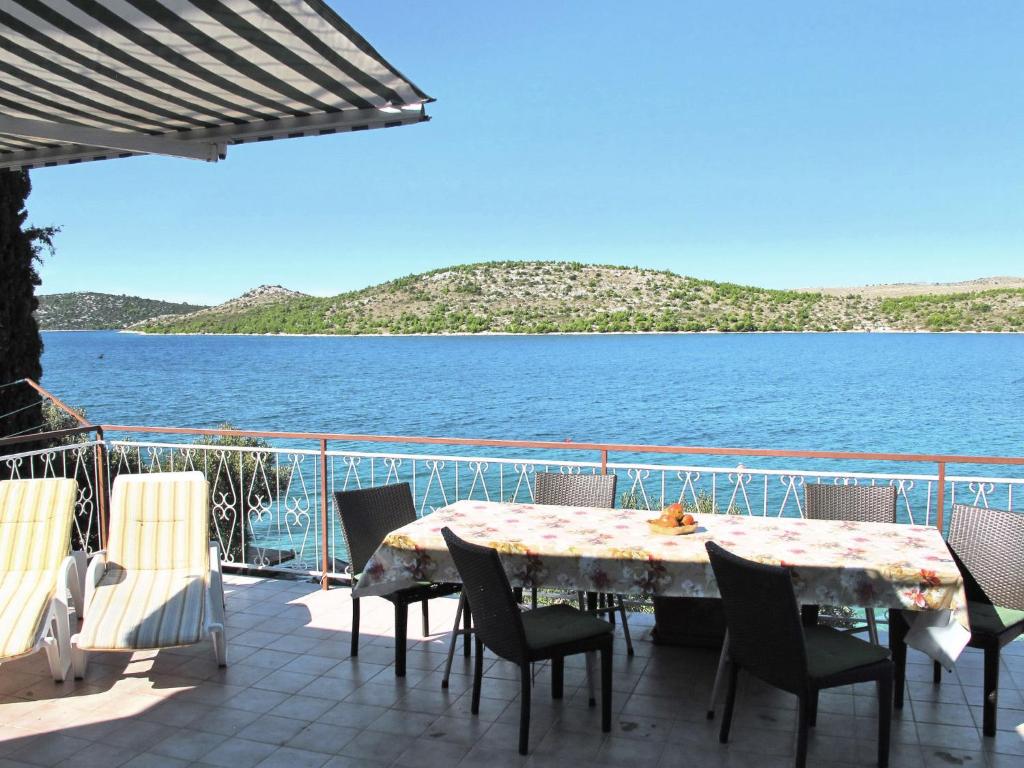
x,y
809,615
812,709
730,701
401,634
426,617
220,649
869,614
355,627
936,673
582,600
79,660
988,716
557,677
58,645
884,718
716,688
467,627
533,597
625,624
801,733
591,660
525,679
478,677
606,689
454,640
897,632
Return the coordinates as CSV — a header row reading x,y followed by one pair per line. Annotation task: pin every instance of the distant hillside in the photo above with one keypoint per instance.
x,y
900,290
102,311
546,297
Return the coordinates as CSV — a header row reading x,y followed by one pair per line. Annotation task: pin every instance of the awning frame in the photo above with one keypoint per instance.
x,y
208,144
190,78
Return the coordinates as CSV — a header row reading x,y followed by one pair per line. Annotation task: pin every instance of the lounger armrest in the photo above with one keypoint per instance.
x,y
97,567
68,580
215,593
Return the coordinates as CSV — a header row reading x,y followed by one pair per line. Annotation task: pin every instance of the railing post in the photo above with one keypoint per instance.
x,y
941,496
604,461
101,489
323,514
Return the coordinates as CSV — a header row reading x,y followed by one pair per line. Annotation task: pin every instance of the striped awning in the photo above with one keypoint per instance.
x,y
97,79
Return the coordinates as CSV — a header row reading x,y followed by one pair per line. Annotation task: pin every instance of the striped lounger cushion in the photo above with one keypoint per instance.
x,y
145,609
35,536
153,593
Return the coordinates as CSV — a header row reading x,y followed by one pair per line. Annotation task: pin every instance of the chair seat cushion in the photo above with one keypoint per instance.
x,y
987,619
830,652
24,602
559,624
144,609
421,590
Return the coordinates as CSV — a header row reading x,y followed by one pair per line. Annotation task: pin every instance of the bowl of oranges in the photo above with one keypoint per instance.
x,y
674,521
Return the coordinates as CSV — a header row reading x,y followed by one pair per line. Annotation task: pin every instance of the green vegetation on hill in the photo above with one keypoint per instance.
x,y
102,311
548,297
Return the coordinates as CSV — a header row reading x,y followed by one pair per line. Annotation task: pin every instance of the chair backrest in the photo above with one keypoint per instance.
x,y
368,515
765,634
575,490
160,521
990,545
496,617
863,503
35,523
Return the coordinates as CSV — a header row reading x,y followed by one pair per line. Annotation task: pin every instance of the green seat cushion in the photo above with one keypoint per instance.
x,y
559,624
987,619
830,652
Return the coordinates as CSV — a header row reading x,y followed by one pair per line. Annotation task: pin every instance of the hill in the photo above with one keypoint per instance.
x,y
546,297
900,290
102,311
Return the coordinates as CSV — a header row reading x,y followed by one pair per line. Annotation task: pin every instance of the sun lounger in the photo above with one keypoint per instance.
x,y
36,571
158,584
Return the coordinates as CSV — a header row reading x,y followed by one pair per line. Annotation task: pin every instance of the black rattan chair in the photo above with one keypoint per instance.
x,y
367,516
567,490
987,545
766,639
862,503
584,491
523,637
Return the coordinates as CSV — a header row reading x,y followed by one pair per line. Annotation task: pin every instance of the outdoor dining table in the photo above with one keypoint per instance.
x,y
879,565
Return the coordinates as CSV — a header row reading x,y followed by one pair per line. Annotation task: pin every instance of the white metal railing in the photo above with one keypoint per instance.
x,y
266,506
77,460
265,500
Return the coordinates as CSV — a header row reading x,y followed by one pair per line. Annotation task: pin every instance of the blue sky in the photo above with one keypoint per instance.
x,y
782,144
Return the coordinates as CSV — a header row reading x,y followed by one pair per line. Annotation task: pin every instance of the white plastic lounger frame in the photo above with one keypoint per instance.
x,y
54,633
158,584
37,517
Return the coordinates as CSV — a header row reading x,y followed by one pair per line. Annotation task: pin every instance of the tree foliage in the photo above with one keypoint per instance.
x,y
21,346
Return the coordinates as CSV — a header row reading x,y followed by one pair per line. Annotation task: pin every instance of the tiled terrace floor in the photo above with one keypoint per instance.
x,y
292,697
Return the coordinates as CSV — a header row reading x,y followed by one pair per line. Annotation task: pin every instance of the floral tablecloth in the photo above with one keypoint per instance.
x,y
613,550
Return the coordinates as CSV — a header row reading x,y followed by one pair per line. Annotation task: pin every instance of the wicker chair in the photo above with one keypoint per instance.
x,y
987,546
584,491
767,641
863,503
566,490
367,516
523,637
